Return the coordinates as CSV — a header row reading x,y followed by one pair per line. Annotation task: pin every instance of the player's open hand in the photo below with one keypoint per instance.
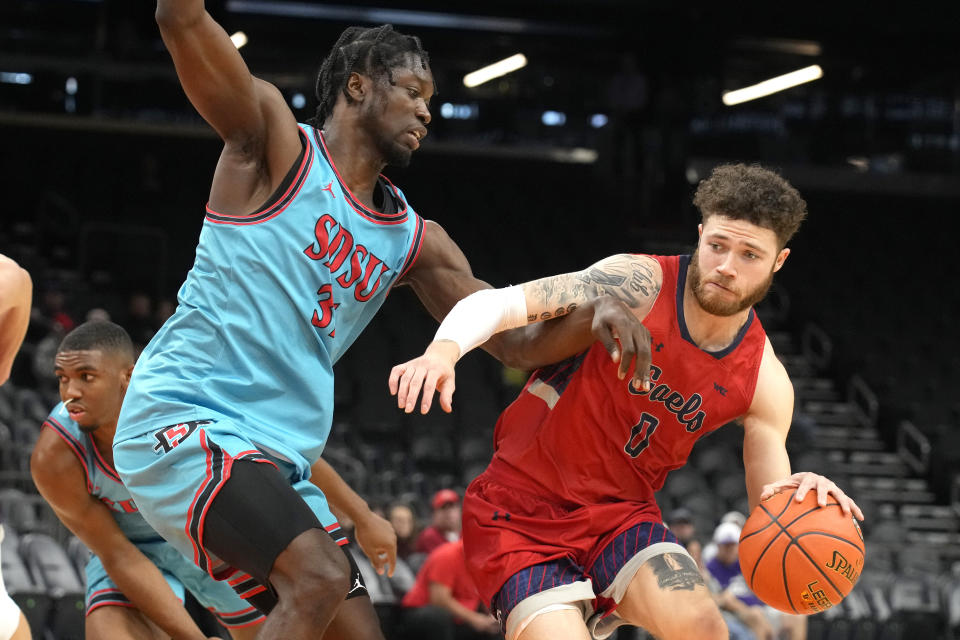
x,y
378,541
433,371
806,481
625,338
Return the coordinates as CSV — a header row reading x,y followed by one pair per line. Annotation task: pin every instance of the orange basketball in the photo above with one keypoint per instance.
x,y
799,557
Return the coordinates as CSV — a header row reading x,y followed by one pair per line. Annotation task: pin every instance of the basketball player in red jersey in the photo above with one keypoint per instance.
x,y
562,533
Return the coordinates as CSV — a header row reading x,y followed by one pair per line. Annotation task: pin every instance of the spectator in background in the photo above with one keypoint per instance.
x,y
680,522
710,551
443,603
741,609
16,293
445,525
52,312
405,525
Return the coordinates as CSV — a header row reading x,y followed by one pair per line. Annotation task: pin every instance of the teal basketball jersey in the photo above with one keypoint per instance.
x,y
103,482
274,298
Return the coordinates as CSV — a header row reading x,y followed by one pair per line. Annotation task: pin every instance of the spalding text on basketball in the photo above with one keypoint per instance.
x,y
842,566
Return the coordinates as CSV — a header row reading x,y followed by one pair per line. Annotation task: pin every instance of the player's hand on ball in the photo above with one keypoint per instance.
x,y
805,481
433,371
624,337
378,541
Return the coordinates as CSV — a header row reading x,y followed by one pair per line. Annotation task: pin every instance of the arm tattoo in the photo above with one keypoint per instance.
x,y
676,572
628,279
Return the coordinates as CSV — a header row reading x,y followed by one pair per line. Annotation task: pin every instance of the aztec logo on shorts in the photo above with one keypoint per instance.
x,y
170,436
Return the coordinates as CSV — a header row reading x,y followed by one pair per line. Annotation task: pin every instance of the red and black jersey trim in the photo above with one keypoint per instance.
x,y
245,585
75,445
107,598
336,532
415,246
389,190
237,619
281,198
219,464
105,466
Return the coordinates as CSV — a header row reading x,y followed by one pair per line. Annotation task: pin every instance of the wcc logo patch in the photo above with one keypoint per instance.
x,y
169,437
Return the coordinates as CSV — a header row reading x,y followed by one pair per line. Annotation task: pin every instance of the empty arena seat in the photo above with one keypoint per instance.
x,y
476,450
415,561
49,564
19,510
79,554
684,482
951,593
433,452
402,579
29,595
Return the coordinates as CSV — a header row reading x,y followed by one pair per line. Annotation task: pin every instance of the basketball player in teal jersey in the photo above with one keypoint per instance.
x,y
231,402
135,579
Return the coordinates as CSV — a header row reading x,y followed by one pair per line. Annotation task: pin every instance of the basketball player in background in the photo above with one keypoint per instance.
x,y
16,294
564,518
135,579
302,240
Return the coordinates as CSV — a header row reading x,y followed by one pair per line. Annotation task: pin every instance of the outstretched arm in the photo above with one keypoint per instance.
x,y
60,479
16,293
442,277
261,141
765,428
632,282
376,536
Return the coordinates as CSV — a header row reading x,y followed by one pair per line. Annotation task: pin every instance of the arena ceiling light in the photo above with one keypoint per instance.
x,y
495,70
238,39
773,85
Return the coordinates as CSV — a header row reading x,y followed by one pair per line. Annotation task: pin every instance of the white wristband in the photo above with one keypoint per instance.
x,y
481,314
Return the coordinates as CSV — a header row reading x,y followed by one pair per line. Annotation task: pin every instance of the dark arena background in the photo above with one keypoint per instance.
x,y
594,147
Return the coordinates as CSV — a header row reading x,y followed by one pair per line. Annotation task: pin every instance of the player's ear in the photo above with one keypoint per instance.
x,y
357,86
781,258
700,230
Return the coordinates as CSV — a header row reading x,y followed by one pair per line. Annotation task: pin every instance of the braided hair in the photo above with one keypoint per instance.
x,y
371,51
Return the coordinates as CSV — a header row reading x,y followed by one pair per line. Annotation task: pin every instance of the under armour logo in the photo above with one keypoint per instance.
x,y
719,389
329,188
505,516
658,347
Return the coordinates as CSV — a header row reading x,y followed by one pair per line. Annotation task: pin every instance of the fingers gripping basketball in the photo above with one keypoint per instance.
x,y
799,557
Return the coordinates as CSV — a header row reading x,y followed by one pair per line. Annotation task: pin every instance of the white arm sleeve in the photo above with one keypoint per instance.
x,y
473,320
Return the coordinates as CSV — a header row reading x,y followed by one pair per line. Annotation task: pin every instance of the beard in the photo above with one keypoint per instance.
x,y
396,154
718,306
393,153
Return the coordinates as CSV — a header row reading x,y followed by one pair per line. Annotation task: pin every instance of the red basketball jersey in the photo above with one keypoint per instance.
x,y
580,434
